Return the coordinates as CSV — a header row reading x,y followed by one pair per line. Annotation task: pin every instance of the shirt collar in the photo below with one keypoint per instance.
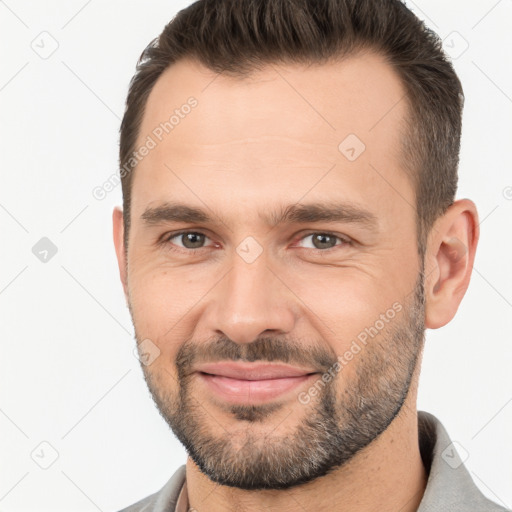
x,y
449,486
182,503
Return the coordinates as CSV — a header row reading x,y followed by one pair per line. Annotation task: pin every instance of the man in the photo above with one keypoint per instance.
x,y
289,230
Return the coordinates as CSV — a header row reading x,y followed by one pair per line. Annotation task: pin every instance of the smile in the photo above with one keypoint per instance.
x,y
251,383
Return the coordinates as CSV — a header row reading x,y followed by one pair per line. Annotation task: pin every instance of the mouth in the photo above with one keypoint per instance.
x,y
250,383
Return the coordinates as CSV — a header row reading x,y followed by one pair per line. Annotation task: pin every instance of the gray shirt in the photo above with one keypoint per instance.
x,y
450,487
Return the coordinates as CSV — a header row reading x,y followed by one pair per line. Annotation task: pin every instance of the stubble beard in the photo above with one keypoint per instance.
x,y
332,429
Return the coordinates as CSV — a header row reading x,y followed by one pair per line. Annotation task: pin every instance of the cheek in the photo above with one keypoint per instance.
x,y
343,304
164,301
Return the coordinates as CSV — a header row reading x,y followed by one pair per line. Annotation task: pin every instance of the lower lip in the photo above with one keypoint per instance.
x,y
251,391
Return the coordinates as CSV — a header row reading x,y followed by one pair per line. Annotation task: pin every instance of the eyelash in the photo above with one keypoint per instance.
x,y
166,241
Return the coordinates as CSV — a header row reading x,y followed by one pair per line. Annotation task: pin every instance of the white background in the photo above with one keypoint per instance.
x,y
68,374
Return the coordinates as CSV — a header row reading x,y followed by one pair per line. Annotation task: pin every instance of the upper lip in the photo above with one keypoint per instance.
x,y
253,371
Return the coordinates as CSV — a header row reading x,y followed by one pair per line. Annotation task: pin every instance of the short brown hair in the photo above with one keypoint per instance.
x,y
237,37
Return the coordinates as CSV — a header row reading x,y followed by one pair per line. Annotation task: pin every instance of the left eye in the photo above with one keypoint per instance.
x,y
322,240
188,239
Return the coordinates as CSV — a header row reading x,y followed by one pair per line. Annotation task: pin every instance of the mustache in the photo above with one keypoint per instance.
x,y
264,349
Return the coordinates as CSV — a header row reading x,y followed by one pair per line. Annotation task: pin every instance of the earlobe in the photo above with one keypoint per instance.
x,y
118,234
449,262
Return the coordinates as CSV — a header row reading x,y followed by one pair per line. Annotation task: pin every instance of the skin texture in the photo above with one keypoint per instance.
x,y
249,149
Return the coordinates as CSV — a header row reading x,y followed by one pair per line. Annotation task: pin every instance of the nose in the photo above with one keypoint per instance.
x,y
249,302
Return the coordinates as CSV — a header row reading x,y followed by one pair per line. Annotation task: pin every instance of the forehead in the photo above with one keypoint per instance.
x,y
351,94
280,128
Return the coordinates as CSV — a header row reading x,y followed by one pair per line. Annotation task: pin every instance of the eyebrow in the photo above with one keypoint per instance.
x,y
323,212
292,214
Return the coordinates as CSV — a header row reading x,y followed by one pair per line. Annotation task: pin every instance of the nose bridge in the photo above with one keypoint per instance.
x,y
249,301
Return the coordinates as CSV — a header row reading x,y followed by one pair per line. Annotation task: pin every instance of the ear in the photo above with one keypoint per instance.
x,y
118,232
449,258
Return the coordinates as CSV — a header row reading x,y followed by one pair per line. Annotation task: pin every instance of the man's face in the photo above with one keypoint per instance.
x,y
332,305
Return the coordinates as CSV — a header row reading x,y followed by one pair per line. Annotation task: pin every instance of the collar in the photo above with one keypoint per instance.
x,y
450,487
